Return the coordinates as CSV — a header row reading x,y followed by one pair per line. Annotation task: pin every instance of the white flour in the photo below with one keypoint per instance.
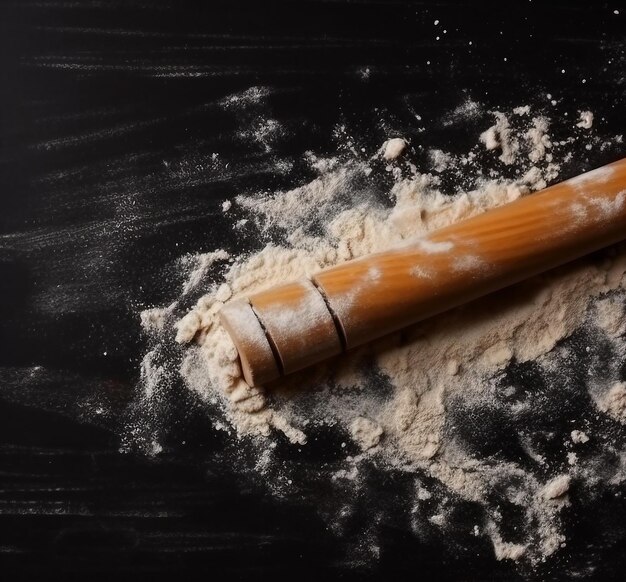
x,y
393,148
586,120
403,400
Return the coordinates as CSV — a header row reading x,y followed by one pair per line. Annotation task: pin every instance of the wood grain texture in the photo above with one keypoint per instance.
x,y
385,292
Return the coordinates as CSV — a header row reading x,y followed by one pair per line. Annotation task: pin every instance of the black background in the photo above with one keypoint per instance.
x,y
110,113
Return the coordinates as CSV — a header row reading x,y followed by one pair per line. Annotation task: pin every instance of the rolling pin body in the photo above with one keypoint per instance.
x,y
292,326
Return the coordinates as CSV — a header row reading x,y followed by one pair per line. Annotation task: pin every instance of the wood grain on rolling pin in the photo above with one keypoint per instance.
x,y
382,293
367,298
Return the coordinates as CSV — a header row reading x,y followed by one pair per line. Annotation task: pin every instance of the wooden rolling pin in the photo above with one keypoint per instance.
x,y
293,326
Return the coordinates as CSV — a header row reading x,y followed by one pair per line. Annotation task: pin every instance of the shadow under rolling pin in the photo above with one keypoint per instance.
x,y
290,327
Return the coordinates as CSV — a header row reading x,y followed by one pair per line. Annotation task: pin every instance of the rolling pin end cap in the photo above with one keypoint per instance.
x,y
299,326
258,363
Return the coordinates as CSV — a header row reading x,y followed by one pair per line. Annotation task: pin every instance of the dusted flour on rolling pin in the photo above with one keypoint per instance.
x,y
292,326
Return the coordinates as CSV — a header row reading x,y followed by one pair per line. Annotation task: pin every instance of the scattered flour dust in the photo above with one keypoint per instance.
x,y
402,401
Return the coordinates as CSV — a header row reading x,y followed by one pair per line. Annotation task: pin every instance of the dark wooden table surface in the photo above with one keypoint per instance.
x,y
110,111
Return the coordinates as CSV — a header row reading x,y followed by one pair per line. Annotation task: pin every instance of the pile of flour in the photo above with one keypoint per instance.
x,y
413,404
